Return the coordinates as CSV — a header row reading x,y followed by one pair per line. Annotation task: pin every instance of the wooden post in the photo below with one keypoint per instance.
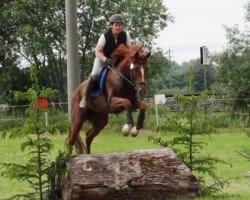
x,y
73,69
141,174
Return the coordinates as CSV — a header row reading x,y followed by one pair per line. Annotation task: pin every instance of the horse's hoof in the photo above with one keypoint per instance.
x,y
134,132
126,129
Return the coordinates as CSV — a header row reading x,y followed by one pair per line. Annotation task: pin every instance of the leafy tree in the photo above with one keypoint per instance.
x,y
94,15
12,79
35,31
174,80
198,70
158,67
233,65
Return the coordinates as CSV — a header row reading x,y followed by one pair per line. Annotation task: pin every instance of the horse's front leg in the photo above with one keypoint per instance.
x,y
139,125
142,109
126,129
117,104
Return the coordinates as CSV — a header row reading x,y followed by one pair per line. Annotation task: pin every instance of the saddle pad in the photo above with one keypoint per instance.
x,y
97,91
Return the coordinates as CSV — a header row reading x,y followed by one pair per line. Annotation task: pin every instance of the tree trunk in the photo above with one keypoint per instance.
x,y
142,174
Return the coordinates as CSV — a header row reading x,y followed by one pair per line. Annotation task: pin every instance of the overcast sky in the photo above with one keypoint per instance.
x,y
198,23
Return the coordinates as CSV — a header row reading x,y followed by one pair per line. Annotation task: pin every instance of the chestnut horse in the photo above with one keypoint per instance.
x,y
125,84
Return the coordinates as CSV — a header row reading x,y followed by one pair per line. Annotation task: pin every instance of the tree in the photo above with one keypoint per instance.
x,y
174,80
198,70
158,67
233,65
35,31
94,15
12,79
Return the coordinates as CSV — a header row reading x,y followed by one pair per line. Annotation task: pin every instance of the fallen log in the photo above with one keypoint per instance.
x,y
142,174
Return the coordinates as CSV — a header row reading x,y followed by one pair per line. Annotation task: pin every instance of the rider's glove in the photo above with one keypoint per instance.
x,y
108,62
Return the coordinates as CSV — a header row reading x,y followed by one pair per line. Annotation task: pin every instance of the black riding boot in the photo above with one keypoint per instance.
x,y
90,85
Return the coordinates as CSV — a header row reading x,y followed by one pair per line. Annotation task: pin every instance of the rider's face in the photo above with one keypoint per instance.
x,y
117,28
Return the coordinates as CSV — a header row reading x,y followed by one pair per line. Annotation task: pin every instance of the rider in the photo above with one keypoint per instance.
x,y
107,43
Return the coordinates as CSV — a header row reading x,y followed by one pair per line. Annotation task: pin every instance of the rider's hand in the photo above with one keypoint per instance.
x,y
109,62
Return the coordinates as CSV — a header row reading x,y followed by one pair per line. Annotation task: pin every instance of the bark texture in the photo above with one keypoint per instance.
x,y
142,174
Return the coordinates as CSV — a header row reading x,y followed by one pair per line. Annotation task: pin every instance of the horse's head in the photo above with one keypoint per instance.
x,y
139,70
133,62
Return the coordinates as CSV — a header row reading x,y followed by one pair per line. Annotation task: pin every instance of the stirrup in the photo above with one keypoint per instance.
x,y
83,103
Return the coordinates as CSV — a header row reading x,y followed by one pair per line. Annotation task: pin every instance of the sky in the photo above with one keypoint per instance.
x,y
199,23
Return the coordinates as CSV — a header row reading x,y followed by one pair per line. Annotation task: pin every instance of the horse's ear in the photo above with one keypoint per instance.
x,y
136,55
148,54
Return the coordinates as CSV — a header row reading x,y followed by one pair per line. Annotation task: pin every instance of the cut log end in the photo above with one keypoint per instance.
x,y
141,174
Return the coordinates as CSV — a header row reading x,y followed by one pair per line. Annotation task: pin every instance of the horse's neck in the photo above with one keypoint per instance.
x,y
123,67
119,82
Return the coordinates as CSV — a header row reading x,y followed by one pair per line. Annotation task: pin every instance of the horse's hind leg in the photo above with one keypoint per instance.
x,y
91,135
79,145
74,131
74,137
99,121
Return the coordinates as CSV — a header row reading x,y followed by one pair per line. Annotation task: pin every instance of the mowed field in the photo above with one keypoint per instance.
x,y
224,144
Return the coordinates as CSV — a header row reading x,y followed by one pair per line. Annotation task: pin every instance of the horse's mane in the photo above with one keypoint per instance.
x,y
123,52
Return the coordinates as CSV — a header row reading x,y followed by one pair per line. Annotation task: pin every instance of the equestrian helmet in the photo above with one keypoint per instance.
x,y
116,18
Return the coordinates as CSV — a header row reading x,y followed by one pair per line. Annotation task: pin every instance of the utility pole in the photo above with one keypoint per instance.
x,y
205,61
73,69
170,69
205,77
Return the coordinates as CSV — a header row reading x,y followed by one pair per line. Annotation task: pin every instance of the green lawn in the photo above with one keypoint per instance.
x,y
223,145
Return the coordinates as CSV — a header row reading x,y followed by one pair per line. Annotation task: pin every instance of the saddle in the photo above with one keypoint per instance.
x,y
98,89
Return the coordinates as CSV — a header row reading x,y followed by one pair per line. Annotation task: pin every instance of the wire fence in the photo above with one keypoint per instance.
x,y
221,110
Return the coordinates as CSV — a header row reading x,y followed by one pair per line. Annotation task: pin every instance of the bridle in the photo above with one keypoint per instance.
x,y
131,82
142,73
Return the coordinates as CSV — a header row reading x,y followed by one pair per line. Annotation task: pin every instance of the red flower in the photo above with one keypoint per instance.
x,y
41,103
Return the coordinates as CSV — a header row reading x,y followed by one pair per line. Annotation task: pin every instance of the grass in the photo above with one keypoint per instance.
x,y
223,145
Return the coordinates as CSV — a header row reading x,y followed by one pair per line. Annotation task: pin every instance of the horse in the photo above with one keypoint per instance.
x,y
124,86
